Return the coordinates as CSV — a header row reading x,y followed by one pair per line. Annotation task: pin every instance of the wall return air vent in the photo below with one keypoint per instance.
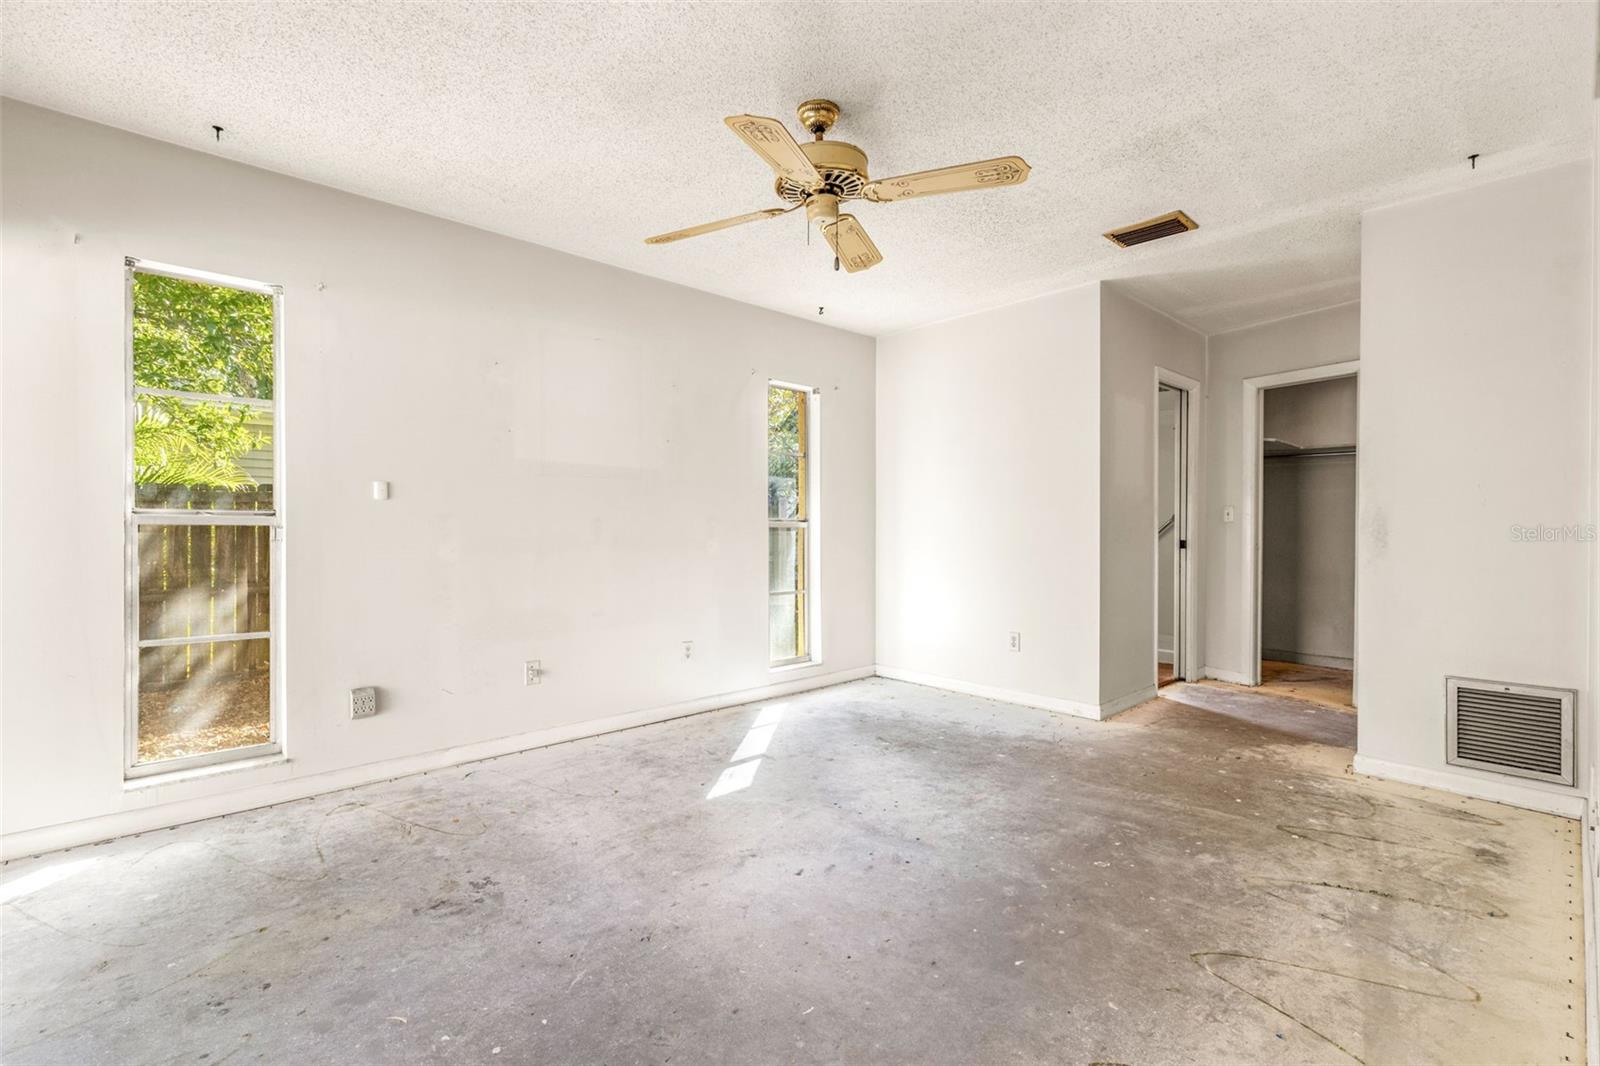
x,y
1168,225
1524,730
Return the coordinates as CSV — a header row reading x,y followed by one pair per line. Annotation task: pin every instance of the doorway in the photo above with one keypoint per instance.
x,y
1302,496
1174,599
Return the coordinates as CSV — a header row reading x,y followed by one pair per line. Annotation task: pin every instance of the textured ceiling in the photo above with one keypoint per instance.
x,y
588,127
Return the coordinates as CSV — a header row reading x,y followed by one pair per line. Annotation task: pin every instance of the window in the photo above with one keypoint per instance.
x,y
203,508
791,514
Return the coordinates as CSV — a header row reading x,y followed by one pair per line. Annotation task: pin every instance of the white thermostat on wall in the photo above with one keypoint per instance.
x,y
380,490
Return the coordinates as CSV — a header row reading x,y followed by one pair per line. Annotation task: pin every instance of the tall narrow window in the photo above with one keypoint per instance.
x,y
791,502
203,509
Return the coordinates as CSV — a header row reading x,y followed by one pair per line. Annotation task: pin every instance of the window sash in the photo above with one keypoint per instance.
x,y
181,497
206,397
136,517
799,454
802,609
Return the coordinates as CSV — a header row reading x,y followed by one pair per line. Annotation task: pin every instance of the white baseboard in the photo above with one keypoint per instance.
x,y
1164,655
1591,959
1122,703
1565,804
1230,676
1094,712
194,809
990,692
1305,658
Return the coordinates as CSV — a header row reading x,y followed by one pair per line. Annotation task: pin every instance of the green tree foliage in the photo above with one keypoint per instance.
x,y
783,420
192,337
188,444
785,426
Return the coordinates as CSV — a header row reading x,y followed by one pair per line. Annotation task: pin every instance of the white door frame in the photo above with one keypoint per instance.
x,y
1250,572
1186,645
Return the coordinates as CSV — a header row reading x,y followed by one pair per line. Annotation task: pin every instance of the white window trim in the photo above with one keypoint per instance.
x,y
812,526
258,754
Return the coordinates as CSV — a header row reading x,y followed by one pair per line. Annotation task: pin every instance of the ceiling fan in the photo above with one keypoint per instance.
x,y
820,175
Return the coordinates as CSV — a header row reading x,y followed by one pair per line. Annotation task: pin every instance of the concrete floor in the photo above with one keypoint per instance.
x,y
905,875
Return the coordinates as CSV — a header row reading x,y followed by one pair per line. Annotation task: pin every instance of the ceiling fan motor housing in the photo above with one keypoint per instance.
x,y
843,168
822,209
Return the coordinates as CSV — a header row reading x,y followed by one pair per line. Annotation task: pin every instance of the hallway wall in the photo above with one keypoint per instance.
x,y
1320,338
1477,462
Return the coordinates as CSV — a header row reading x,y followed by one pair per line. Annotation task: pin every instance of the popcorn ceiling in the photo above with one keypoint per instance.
x,y
589,127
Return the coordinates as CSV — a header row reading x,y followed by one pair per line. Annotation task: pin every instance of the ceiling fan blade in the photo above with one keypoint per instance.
x,y
852,245
773,142
712,227
991,173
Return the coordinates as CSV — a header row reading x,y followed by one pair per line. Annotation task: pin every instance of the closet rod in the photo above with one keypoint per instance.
x,y
1312,453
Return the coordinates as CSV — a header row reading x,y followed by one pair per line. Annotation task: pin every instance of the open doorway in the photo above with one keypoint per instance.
x,y
1169,532
1304,501
1174,598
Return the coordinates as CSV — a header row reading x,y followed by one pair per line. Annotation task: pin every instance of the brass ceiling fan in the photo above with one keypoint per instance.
x,y
820,175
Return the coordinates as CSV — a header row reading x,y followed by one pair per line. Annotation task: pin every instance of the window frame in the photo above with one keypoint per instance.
x,y
134,517
809,541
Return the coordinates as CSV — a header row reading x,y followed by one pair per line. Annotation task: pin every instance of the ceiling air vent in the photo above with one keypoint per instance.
x,y
1523,730
1168,225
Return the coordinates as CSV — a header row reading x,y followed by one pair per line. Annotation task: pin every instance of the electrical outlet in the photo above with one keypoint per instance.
x,y
1014,642
363,702
688,649
532,672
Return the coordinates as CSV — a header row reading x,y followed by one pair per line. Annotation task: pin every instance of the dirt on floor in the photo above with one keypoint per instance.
x,y
219,715
1326,685
1322,685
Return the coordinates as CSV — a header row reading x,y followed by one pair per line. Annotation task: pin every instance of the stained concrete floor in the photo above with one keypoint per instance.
x,y
906,875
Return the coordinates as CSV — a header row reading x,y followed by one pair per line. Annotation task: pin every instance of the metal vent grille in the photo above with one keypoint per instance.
x,y
1168,225
1524,730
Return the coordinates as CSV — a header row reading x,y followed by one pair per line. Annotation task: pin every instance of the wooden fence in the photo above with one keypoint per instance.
x,y
198,581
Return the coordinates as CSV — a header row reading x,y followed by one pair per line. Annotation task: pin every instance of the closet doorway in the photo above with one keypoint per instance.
x,y
1303,500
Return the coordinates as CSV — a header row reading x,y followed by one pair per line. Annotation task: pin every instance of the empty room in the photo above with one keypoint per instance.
x,y
799,533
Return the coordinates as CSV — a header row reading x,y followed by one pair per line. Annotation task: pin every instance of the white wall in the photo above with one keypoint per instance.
x,y
1313,414
1017,493
1134,341
1475,418
1592,821
1308,559
988,500
1320,338
577,457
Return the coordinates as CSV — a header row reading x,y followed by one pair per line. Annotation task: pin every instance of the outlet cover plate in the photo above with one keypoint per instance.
x,y
532,672
363,702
